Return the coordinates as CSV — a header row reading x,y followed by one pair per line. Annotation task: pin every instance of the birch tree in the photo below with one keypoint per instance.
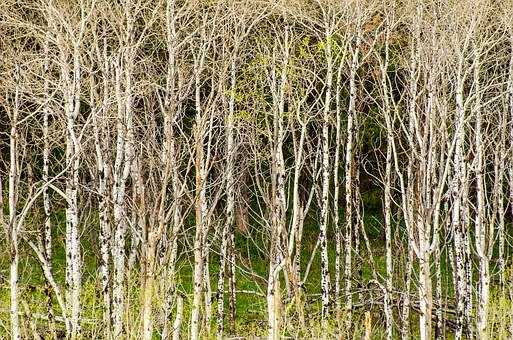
x,y
350,169
277,83
69,45
11,223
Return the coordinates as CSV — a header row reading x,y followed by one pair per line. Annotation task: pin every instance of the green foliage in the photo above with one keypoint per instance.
x,y
499,317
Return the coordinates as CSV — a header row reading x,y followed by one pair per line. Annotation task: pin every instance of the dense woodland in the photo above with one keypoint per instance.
x,y
229,168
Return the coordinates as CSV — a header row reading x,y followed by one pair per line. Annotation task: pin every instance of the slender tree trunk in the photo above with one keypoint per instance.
x,y
467,255
278,193
230,202
509,90
501,213
13,285
456,207
122,167
349,173
12,227
405,313
388,241
47,231
427,164
425,293
295,235
232,280
387,300
498,197
438,294
336,194
200,207
148,286
73,261
178,318
325,274
480,233
102,156
207,289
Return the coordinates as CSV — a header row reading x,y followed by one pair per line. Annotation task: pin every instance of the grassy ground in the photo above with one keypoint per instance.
x,y
250,308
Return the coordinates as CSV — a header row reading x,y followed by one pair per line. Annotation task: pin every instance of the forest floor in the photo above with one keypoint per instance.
x,y
251,274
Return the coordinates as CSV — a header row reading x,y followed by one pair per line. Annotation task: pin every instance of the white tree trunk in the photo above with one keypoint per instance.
x,y
509,90
387,301
336,193
12,227
230,201
457,206
13,286
73,260
325,274
405,313
200,205
122,166
47,226
278,192
388,241
102,156
349,173
178,318
480,222
425,292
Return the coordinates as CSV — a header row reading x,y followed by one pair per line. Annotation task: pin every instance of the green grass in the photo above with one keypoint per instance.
x,y
250,308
